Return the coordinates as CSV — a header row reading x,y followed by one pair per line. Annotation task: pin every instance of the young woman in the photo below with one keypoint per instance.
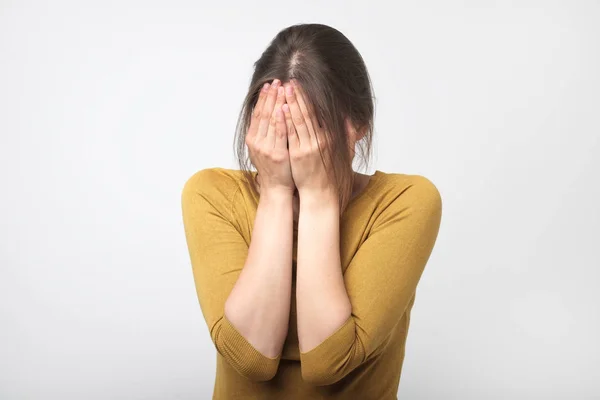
x,y
306,270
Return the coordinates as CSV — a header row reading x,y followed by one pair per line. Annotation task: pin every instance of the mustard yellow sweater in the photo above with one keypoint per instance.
x,y
387,234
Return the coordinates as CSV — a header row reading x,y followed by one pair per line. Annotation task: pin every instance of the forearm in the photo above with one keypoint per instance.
x,y
321,300
259,304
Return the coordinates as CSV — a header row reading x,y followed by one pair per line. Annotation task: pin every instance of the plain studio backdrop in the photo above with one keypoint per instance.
x,y
106,108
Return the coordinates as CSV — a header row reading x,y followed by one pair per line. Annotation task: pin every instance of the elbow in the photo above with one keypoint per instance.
x,y
240,354
335,358
254,367
327,371
257,373
265,376
320,378
322,375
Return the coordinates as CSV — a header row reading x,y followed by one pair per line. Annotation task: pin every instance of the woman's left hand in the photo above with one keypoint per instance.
x,y
311,176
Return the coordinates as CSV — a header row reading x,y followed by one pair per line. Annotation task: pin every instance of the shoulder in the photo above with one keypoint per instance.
x,y
413,191
215,183
426,191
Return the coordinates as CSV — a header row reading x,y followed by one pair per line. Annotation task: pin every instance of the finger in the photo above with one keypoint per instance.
x,y
281,129
305,107
292,136
267,110
272,130
297,116
255,120
314,127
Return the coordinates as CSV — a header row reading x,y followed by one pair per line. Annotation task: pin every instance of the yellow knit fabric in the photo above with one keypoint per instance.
x,y
387,234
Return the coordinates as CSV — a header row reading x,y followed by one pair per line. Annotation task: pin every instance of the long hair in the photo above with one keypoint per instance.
x,y
334,77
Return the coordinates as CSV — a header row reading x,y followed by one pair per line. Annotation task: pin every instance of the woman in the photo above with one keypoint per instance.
x,y
306,270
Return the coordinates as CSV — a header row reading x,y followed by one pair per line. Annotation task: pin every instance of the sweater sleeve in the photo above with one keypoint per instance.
x,y
380,281
218,252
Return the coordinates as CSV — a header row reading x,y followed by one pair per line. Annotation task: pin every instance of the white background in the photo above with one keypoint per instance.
x,y
106,108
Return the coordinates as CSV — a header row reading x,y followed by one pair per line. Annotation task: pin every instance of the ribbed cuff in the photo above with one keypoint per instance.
x,y
243,356
332,354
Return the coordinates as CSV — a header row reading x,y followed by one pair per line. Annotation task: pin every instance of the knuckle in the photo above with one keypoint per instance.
x,y
261,150
302,154
277,157
298,120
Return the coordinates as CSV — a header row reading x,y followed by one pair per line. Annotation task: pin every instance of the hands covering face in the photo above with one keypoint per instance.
x,y
284,139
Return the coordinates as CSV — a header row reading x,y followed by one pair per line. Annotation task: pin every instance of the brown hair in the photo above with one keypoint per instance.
x,y
336,81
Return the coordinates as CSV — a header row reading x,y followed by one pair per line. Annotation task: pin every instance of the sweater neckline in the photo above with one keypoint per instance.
x,y
367,189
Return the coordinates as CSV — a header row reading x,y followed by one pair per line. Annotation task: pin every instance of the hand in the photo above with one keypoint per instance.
x,y
267,141
305,136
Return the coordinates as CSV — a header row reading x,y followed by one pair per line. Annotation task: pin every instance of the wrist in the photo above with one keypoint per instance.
x,y
276,195
322,200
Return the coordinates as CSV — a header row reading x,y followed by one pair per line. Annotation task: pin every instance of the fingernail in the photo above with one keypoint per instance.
x,y
279,90
289,90
265,87
285,108
275,82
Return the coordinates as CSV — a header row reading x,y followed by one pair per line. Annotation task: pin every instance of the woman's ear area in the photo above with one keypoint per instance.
x,y
351,131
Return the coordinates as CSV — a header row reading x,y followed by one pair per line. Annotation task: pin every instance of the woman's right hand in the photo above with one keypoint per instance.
x,y
267,141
